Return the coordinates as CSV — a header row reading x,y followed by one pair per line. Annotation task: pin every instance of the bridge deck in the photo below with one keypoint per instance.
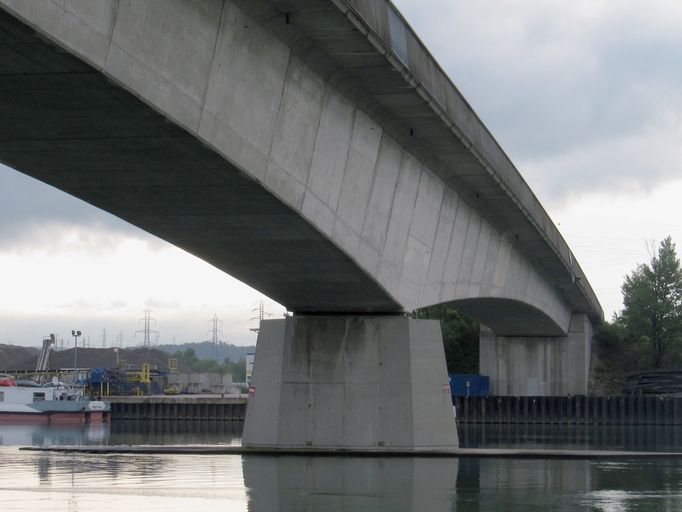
x,y
65,123
375,55
197,164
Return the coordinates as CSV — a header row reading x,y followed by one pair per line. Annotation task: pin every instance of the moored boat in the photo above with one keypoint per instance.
x,y
54,402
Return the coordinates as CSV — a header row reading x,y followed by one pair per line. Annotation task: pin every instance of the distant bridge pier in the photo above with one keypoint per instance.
x,y
350,382
536,365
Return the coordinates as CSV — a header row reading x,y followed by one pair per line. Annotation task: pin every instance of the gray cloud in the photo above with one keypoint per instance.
x,y
582,95
32,213
564,86
172,324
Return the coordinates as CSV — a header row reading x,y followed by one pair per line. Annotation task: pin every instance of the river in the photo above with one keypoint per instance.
x,y
89,482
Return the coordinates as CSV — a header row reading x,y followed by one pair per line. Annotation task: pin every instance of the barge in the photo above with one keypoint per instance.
x,y
52,403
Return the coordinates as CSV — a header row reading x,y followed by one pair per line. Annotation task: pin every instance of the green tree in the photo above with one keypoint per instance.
x,y
618,354
652,300
189,358
460,337
236,369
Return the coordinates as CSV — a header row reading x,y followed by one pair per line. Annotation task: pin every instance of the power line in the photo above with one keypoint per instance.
x,y
215,340
260,309
147,330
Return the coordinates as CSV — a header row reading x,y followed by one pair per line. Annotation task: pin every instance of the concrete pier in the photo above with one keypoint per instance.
x,y
538,365
351,383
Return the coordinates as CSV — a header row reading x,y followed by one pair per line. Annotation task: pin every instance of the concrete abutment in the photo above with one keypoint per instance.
x,y
351,383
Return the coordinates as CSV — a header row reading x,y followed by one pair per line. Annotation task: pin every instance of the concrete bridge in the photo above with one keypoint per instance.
x,y
316,151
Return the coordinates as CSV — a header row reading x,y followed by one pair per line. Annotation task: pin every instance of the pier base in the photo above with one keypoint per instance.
x,y
350,383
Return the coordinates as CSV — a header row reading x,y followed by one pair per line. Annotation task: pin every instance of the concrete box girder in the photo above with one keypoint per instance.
x,y
296,134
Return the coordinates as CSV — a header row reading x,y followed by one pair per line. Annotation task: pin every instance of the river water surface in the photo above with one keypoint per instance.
x,y
92,482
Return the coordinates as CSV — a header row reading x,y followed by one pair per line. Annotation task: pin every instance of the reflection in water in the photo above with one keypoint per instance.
x,y
123,432
52,435
175,432
87,482
531,484
350,483
169,483
565,485
135,432
580,437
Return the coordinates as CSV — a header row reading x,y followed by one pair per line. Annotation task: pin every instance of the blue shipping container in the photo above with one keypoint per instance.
x,y
97,376
469,384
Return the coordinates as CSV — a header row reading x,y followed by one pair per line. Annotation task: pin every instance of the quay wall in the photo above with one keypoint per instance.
x,y
531,410
180,408
570,410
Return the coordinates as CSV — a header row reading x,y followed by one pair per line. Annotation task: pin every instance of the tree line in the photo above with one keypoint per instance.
x,y
189,358
647,332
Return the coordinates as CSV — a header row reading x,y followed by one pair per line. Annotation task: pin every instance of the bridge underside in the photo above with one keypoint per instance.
x,y
65,124
509,317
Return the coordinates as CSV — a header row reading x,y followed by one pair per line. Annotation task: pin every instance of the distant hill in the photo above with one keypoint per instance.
x,y
96,357
15,357
206,350
12,355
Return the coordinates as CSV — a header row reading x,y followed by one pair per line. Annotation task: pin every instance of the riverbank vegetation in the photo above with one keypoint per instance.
x,y
647,333
189,358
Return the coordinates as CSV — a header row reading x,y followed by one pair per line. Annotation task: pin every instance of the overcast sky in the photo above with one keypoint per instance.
x,y
584,96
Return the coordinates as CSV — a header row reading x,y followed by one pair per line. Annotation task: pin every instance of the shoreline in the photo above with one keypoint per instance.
x,y
310,452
